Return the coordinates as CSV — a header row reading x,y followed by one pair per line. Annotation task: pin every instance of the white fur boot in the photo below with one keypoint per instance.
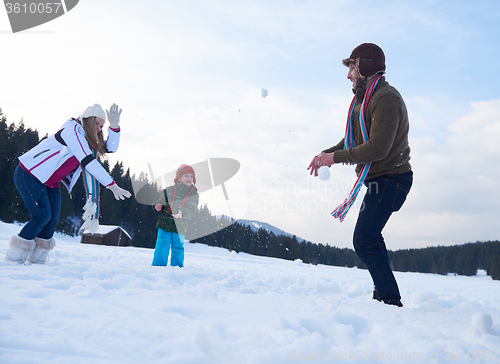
x,y
19,249
41,251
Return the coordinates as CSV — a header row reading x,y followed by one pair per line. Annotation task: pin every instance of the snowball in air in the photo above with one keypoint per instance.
x,y
264,93
324,173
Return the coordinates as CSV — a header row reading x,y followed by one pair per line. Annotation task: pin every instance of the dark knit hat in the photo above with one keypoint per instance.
x,y
369,57
182,170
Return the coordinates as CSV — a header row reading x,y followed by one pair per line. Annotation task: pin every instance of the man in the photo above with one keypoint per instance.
x,y
377,142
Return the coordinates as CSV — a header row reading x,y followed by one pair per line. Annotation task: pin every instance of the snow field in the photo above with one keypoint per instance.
x,y
98,304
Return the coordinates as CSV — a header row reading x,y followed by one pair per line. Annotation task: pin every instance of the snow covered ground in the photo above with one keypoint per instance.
x,y
97,304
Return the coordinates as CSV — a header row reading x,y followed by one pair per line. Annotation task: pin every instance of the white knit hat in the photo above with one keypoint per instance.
x,y
94,110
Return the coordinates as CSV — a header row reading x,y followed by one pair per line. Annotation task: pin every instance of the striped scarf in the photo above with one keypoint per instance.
x,y
341,211
91,209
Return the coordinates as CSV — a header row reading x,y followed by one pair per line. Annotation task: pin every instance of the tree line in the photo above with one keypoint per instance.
x,y
220,231
464,259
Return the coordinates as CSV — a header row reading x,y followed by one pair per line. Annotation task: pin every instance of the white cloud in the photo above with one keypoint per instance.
x,y
454,198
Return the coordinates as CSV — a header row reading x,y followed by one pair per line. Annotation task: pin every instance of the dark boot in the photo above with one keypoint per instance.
x,y
392,301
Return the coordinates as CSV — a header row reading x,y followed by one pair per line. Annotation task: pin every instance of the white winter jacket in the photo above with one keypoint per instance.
x,y
50,154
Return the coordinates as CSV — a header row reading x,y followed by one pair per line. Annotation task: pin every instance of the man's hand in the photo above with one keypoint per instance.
x,y
322,159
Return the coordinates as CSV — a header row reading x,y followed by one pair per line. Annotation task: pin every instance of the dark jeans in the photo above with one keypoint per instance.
x,y
385,195
42,202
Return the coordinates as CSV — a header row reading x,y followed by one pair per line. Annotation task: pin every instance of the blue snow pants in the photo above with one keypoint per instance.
x,y
165,241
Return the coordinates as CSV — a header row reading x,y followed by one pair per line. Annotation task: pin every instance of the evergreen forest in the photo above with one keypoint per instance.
x,y
139,221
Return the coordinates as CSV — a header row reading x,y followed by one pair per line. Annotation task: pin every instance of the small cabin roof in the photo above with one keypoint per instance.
x,y
106,229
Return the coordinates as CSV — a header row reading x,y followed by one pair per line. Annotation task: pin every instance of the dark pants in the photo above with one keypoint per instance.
x,y
42,202
385,195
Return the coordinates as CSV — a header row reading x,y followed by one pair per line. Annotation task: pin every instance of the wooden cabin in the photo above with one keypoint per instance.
x,y
107,235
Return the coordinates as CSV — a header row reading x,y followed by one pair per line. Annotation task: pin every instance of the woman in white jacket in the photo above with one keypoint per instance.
x,y
61,158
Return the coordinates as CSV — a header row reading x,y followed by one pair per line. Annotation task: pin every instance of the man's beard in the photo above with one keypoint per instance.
x,y
359,84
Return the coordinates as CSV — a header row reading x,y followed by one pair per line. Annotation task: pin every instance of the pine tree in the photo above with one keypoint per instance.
x,y
263,238
17,140
314,253
443,266
460,264
495,268
202,224
294,249
242,239
303,255
275,248
470,266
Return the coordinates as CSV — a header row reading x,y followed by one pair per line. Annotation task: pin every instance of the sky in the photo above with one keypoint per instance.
x,y
189,77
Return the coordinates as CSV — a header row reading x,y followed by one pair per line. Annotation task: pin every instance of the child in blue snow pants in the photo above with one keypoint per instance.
x,y
177,205
166,241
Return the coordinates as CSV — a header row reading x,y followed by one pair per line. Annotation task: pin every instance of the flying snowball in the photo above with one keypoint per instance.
x,y
482,321
324,173
264,93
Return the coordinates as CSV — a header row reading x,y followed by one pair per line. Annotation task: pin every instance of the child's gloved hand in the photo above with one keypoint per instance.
x,y
178,215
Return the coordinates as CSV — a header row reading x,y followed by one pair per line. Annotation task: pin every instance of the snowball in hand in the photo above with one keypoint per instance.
x,y
324,173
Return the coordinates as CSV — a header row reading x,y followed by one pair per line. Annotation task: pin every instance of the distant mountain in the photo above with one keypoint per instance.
x,y
256,225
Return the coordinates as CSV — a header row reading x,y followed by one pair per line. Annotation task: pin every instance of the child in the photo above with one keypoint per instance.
x,y
177,205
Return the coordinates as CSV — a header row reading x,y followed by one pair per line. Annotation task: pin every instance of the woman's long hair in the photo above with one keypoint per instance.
x,y
95,139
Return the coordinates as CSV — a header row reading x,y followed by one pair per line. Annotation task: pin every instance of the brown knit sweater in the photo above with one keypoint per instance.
x,y
387,123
